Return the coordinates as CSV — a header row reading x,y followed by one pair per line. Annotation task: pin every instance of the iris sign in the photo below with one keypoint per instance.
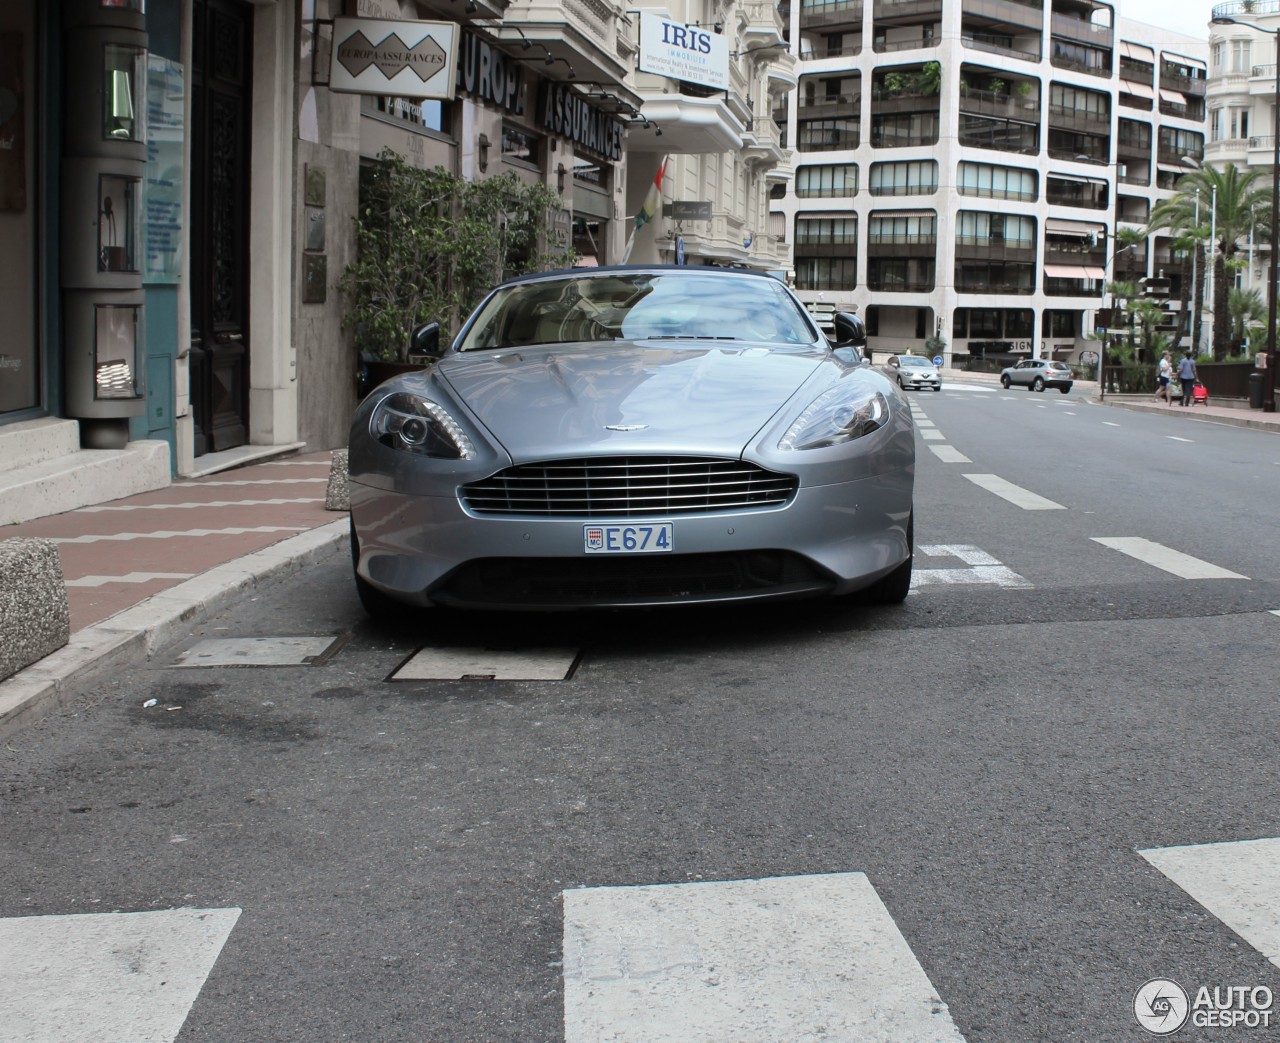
x,y
683,52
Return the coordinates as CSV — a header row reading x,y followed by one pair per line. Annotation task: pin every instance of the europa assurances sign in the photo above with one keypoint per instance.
x,y
407,59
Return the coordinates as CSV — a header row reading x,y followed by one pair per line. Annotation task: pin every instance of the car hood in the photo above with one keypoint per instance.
x,y
626,396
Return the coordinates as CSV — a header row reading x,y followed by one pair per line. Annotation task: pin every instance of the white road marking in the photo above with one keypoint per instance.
x,y
1166,558
128,577
1015,494
983,568
1108,423
188,506
949,454
106,976
452,664
1275,611
1175,438
790,958
168,534
1069,412
1239,882
922,422
932,435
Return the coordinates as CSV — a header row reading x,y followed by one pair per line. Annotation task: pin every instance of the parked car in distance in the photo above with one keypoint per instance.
x,y
912,371
633,436
1037,374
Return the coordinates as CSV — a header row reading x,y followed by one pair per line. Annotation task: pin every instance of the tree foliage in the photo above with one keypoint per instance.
x,y
429,245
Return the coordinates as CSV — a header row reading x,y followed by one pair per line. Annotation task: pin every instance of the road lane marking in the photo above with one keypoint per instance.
x,y
949,454
1166,558
983,568
1015,494
789,958
1108,423
106,976
1238,881
922,422
932,435
1175,438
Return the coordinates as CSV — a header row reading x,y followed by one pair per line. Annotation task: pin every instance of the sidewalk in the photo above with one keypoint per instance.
x,y
140,571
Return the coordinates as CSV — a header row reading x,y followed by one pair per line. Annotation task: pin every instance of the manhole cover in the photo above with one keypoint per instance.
x,y
488,664
259,651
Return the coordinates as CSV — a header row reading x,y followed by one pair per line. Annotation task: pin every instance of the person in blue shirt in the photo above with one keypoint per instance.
x,y
1187,376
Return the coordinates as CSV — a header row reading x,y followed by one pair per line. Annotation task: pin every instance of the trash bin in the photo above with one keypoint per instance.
x,y
1256,389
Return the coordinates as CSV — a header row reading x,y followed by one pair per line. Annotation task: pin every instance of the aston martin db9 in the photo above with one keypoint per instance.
x,y
633,436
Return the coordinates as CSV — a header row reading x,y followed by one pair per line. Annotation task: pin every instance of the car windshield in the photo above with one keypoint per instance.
x,y
639,305
912,360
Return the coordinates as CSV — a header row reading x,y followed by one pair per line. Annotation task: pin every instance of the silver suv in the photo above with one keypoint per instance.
x,y
1037,374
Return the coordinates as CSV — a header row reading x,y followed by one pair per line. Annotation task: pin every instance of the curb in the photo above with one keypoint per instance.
x,y
131,637
1244,420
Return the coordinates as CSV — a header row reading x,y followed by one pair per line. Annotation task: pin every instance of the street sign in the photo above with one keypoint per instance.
x,y
1088,357
937,360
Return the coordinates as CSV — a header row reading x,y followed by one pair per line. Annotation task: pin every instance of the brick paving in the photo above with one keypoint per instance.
x,y
117,554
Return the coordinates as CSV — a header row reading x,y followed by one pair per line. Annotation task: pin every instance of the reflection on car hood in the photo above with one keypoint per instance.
x,y
664,397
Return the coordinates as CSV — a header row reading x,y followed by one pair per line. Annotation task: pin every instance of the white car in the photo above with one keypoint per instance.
x,y
913,371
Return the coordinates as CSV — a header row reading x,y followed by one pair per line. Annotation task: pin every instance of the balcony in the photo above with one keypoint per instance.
x,y
1173,157
893,245
914,44
1076,252
1002,135
886,103
1063,118
828,247
762,144
1012,13
1132,148
597,48
984,248
990,103
1174,81
823,53
831,14
829,107
1001,45
1077,29
891,11
764,25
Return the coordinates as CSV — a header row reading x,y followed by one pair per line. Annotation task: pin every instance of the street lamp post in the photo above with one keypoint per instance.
x,y
1269,381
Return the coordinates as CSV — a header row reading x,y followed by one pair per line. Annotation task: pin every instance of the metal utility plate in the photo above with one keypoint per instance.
x,y
488,664
259,651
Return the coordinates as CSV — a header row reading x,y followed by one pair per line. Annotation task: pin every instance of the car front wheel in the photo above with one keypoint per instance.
x,y
894,588
1037,384
1005,381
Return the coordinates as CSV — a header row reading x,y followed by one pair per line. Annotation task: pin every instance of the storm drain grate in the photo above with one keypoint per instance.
x,y
488,664
259,651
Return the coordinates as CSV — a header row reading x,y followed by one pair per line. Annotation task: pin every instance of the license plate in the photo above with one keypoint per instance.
x,y
628,539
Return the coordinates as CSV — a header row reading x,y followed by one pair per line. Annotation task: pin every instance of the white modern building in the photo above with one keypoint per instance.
x,y
961,166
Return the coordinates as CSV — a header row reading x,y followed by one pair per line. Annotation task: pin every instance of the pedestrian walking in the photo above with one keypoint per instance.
x,y
1187,377
1164,374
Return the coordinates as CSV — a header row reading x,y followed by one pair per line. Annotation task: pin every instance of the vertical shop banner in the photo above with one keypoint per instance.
x,y
162,216
13,152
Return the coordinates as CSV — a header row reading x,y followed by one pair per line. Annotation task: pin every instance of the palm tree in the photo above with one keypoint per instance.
x,y
1233,194
1248,314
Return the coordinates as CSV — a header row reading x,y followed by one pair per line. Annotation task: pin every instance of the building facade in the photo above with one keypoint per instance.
x,y
179,179
962,166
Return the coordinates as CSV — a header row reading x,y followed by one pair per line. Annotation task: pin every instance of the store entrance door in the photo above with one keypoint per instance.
x,y
222,48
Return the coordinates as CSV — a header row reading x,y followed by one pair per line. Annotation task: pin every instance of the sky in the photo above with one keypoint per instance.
x,y
1190,17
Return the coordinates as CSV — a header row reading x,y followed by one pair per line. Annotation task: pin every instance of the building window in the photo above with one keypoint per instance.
x,y
826,231
904,179
1240,50
826,273
827,182
1215,54
902,229
983,179
981,229
1073,101
518,145
826,135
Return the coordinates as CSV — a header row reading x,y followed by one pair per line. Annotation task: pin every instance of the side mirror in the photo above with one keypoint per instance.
x,y
850,331
425,340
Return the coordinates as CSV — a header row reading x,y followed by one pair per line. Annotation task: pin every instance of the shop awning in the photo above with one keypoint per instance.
x,y
1073,271
1137,52
1173,97
1133,87
1060,227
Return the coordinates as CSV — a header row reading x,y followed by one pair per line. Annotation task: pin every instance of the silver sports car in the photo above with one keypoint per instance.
x,y
633,436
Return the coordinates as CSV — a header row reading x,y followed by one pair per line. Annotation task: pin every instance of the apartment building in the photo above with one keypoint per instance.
x,y
962,166
1241,102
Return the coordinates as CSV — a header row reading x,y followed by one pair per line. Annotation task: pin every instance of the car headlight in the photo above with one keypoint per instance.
x,y
418,425
838,415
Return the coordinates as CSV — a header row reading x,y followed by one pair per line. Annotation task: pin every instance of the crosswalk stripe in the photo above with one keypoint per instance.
x,y
788,958
931,435
1015,494
1172,561
1238,881
949,454
106,976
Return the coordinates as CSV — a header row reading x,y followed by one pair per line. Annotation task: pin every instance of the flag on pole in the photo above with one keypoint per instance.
x,y
648,208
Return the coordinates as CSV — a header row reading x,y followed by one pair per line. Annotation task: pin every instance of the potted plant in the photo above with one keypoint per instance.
x,y
1026,90
429,245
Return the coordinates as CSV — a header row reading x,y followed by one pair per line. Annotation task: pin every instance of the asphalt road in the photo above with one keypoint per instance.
x,y
994,756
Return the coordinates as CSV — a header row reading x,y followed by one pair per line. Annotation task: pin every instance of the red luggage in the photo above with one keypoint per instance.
x,y
1199,393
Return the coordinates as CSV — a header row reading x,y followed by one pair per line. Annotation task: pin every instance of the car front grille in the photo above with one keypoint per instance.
x,y
629,486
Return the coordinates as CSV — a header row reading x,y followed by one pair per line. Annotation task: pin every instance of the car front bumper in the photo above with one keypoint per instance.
x,y
429,550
